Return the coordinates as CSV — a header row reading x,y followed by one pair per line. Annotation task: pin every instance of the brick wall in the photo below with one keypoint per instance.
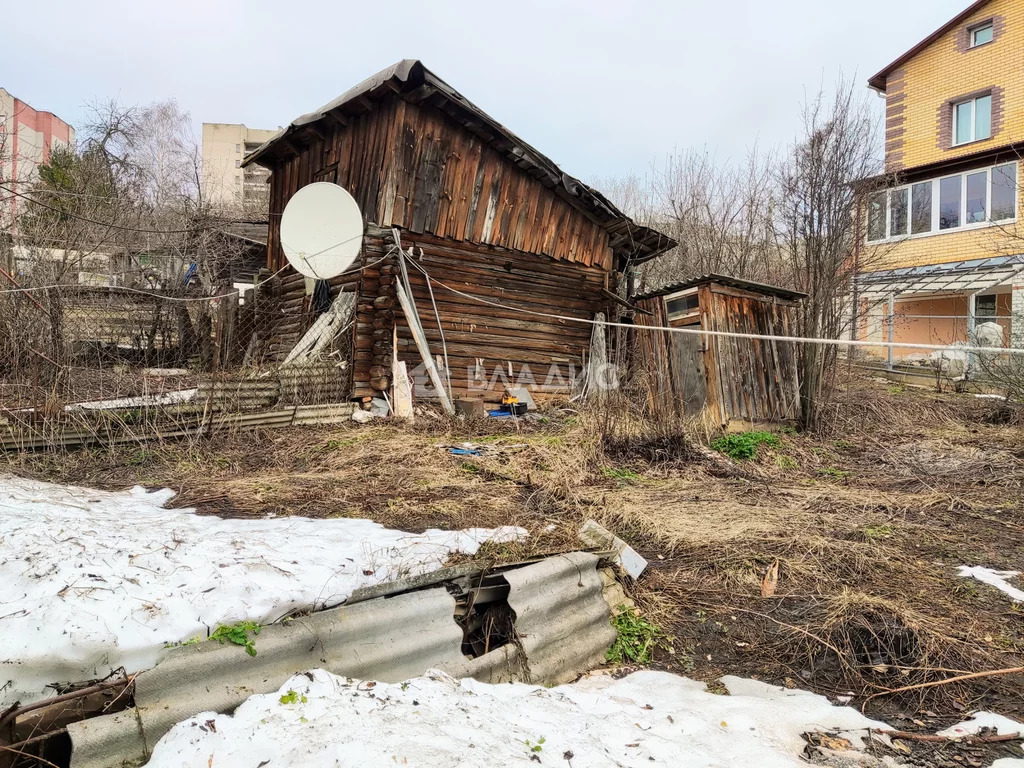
x,y
920,92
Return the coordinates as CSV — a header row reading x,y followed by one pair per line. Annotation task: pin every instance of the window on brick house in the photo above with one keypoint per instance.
x,y
985,306
1004,192
977,197
949,202
921,208
972,120
981,34
898,211
972,199
876,216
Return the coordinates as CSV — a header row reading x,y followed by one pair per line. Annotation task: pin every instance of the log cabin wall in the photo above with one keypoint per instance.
x,y
410,165
488,346
486,227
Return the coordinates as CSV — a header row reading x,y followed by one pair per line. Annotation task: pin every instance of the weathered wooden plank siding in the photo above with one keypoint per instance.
x,y
756,379
749,379
292,313
494,337
650,366
410,165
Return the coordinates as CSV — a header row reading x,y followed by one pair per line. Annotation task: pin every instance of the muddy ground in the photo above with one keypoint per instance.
x,y
866,520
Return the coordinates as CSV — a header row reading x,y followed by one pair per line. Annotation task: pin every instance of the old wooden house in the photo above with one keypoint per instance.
x,y
739,380
501,231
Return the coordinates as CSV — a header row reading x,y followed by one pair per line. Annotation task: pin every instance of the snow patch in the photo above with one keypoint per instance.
x,y
96,580
997,579
973,725
646,719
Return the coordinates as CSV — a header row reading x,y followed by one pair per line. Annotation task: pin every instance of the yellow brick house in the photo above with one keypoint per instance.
x,y
943,249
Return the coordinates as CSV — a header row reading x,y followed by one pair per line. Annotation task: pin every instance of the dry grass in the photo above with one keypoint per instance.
x,y
867,522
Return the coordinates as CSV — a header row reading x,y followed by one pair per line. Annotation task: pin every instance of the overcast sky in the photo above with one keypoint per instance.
x,y
603,88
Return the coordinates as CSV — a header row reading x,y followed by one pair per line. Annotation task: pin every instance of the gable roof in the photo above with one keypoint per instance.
x,y
877,81
411,80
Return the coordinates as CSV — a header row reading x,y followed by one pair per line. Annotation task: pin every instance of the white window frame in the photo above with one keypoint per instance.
x,y
974,120
690,314
963,225
974,34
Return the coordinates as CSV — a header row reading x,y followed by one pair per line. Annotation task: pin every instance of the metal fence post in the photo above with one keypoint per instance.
x,y
892,322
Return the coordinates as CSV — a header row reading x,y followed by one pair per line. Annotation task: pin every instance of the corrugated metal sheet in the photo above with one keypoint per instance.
x,y
188,422
733,282
562,620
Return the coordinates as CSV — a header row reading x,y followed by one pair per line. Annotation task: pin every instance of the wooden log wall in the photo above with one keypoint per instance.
x,y
756,379
479,337
412,166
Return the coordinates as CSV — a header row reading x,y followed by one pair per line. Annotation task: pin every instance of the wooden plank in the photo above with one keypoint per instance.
x,y
412,318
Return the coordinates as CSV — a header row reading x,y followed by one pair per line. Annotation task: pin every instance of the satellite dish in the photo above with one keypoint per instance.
x,y
321,230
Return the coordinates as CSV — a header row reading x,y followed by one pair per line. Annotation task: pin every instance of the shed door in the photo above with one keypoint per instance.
x,y
688,359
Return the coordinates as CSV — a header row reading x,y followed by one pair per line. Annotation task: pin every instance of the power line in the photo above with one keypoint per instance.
x,y
126,289
110,224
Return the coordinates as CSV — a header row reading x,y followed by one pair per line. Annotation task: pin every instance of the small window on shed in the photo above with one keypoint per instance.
x,y
683,305
981,34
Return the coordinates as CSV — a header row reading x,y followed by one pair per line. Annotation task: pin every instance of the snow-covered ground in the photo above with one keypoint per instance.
x,y
318,720
94,580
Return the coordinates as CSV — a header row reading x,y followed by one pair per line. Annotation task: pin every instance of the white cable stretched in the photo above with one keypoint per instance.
x,y
125,289
728,334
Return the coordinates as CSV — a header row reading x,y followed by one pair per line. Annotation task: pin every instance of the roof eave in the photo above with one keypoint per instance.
x,y
878,80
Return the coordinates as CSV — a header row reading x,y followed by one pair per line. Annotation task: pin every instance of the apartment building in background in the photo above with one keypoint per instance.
x,y
27,136
226,184
944,249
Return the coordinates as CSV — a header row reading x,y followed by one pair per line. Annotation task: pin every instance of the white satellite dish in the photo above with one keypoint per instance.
x,y
321,230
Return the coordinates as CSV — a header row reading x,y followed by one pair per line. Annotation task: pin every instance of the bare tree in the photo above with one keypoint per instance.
x,y
124,208
820,183
720,214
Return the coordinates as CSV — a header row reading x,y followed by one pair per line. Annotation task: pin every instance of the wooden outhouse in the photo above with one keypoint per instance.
x,y
737,379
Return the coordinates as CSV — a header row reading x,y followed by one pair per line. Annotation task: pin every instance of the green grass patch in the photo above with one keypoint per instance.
x,y
786,462
621,474
838,474
238,633
873,532
743,446
637,638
